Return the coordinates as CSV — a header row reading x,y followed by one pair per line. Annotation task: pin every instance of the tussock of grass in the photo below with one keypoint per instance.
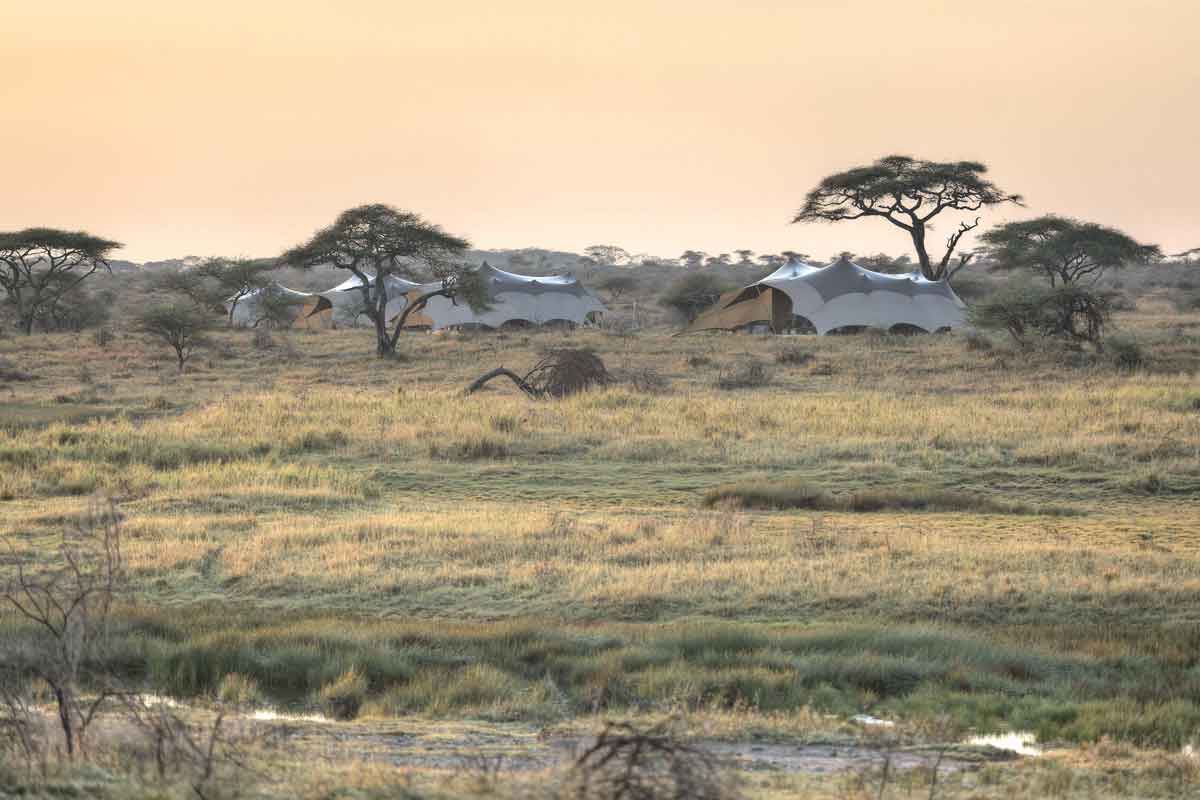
x,y
343,697
798,494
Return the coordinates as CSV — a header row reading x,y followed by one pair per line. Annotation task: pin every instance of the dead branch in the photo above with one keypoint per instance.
x,y
559,373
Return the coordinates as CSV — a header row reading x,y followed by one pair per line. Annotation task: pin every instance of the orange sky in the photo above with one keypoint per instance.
x,y
239,127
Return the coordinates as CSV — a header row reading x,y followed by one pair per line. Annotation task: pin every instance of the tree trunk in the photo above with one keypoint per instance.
x,y
479,382
64,719
385,347
918,238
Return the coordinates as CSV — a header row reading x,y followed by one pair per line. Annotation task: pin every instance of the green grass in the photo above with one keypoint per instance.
x,y
537,672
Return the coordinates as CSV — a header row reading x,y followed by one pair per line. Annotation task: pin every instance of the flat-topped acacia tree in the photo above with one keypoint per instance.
x,y
1065,251
908,193
375,242
40,266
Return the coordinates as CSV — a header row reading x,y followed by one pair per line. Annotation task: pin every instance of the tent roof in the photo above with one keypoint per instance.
x,y
843,293
844,277
392,281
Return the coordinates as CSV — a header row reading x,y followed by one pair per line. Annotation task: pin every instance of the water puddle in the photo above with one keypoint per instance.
x,y
1022,743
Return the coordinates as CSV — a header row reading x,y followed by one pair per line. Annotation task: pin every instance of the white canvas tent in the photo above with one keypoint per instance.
x,y
513,298
347,299
840,295
301,309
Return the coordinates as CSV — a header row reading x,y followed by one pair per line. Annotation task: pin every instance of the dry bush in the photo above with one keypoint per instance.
x,y
645,379
793,356
9,373
748,375
567,371
559,373
627,762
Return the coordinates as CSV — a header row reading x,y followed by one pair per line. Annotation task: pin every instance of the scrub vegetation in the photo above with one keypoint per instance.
x,y
951,537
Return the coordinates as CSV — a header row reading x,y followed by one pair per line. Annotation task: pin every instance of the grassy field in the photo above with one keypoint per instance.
x,y
954,538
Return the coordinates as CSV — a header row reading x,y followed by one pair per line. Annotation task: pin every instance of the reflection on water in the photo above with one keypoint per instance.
x,y
1020,742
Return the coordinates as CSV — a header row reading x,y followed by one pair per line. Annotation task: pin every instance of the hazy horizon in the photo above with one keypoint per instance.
x,y
240,128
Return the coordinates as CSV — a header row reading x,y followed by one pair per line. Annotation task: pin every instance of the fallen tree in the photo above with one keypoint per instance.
x,y
559,373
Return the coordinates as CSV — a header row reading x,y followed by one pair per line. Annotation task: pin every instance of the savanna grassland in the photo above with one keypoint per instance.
x,y
955,538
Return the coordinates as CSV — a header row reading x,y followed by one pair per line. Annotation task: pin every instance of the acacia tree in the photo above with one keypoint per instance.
x,y
375,242
39,266
693,293
1065,251
909,193
617,285
607,254
235,278
183,327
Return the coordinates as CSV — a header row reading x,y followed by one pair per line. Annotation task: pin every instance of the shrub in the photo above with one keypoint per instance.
x,y
1071,312
693,293
978,342
699,361
1125,352
750,375
646,379
793,356
342,698
1186,301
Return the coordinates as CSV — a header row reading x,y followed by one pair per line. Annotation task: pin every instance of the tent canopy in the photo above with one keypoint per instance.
x,y
839,295
251,309
536,300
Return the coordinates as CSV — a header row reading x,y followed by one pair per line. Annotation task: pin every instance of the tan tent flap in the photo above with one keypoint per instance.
x,y
757,304
315,315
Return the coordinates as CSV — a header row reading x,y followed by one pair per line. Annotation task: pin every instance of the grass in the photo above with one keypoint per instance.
x,y
797,494
909,528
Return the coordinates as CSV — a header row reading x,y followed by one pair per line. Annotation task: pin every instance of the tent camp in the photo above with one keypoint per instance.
x,y
514,299
347,299
277,304
840,296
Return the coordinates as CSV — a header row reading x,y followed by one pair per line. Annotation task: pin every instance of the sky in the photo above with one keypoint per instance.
x,y
239,128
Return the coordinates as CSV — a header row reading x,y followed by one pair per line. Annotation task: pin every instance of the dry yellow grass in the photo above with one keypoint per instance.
x,y
312,482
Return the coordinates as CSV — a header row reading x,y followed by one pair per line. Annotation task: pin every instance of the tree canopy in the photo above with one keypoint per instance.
x,y
693,293
376,241
908,193
1062,249
39,267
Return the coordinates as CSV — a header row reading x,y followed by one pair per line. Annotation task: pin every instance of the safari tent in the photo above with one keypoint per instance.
x,y
277,304
514,299
347,299
833,298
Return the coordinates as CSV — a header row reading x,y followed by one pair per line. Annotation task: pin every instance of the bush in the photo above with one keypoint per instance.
x,y
1125,352
1186,301
694,293
1071,312
793,356
342,698
978,342
750,375
648,380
